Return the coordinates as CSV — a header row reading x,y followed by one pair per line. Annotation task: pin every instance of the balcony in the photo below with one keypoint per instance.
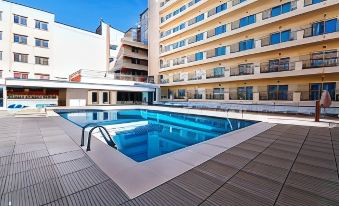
x,y
194,76
276,96
311,2
215,94
243,69
279,10
194,94
218,72
316,95
279,65
92,76
279,37
178,78
321,59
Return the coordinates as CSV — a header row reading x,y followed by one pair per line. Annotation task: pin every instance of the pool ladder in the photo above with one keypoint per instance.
x,y
105,135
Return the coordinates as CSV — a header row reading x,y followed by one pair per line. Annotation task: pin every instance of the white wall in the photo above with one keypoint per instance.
x,y
115,39
75,49
7,45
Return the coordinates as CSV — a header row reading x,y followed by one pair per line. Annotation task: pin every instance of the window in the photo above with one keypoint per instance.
x,y
41,25
135,61
283,36
182,43
199,56
247,44
41,60
277,65
199,37
181,92
21,75
324,59
277,92
284,8
316,90
247,21
221,8
42,76
135,50
21,57
245,93
325,27
220,29
20,39
0,55
20,20
219,72
94,97
0,35
199,18
113,47
41,43
105,97
218,93
0,15
220,51
246,69
182,26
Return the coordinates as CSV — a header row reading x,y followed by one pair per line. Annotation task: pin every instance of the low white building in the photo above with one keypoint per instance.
x,y
33,46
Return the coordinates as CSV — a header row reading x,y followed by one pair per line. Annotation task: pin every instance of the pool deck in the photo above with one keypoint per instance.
x,y
41,163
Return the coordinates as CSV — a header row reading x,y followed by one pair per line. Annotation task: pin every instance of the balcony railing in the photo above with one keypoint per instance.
x,y
316,95
194,76
271,40
310,2
194,95
242,70
164,81
268,67
318,63
214,96
211,74
276,96
278,10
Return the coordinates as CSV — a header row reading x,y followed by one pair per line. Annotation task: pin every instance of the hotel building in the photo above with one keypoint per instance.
x,y
245,51
43,62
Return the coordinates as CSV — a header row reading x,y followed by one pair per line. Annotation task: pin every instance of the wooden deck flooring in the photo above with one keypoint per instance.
x,y
42,164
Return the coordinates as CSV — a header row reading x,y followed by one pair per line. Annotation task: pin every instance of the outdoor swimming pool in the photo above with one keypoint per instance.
x,y
145,134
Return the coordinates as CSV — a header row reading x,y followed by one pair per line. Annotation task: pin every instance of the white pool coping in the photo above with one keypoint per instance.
x,y
137,178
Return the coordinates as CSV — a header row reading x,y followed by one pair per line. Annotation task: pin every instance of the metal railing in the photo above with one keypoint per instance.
x,y
242,70
316,95
193,95
108,139
318,63
214,96
268,67
310,2
276,96
268,41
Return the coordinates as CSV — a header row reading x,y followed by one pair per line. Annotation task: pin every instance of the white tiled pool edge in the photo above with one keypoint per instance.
x,y
137,178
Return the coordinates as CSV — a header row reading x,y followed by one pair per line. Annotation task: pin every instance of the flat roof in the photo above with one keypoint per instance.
x,y
117,85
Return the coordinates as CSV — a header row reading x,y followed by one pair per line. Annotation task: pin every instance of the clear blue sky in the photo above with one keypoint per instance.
x,y
86,14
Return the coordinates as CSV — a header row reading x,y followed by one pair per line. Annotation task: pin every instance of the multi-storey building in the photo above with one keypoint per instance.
x,y
39,57
133,55
245,51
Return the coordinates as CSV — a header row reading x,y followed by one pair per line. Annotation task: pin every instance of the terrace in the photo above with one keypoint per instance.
x,y
278,163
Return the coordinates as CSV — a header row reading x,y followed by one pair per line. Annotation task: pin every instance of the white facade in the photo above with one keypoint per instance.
x,y
69,49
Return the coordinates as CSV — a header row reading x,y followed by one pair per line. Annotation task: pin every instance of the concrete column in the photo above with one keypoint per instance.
x,y
228,50
227,71
300,34
296,96
257,68
228,26
256,98
258,17
300,4
298,66
258,43
227,94
113,96
204,95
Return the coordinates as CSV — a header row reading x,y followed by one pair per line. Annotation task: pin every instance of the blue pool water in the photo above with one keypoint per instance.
x,y
154,133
